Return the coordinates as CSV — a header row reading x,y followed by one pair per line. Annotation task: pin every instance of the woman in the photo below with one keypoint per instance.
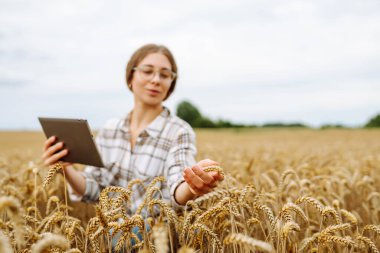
x,y
147,143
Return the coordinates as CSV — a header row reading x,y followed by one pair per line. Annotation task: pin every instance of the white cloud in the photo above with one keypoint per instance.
x,y
300,53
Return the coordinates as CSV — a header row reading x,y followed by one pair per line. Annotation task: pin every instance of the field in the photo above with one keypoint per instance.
x,y
285,190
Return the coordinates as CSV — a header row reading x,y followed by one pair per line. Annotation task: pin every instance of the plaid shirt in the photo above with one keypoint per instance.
x,y
164,148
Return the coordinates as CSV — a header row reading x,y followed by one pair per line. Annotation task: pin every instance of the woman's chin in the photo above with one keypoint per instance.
x,y
152,102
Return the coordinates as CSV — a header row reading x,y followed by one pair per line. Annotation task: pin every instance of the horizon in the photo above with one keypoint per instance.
x,y
284,125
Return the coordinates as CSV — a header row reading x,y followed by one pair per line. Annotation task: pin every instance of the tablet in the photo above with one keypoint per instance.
x,y
77,138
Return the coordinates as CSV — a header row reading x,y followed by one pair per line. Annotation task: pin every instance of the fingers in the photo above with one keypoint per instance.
x,y
56,157
53,153
207,178
197,185
52,149
48,143
207,162
217,176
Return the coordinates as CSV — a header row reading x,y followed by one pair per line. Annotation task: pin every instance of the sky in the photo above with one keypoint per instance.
x,y
252,62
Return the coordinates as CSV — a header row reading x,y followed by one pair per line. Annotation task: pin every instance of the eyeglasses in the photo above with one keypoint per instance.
x,y
147,73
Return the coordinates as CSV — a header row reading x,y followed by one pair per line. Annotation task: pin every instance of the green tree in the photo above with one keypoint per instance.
x,y
205,122
374,122
223,123
189,113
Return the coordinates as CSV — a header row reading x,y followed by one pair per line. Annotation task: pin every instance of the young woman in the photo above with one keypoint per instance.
x,y
149,142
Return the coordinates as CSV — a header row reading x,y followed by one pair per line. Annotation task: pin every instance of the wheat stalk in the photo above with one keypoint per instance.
x,y
160,235
5,246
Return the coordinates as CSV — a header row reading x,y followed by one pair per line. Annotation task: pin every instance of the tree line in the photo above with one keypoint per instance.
x,y
188,112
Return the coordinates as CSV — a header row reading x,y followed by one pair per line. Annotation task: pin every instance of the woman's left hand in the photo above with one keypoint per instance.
x,y
199,181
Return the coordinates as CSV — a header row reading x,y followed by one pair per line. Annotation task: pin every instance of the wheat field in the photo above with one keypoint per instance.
x,y
285,190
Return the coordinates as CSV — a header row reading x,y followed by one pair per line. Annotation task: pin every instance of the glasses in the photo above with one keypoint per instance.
x,y
147,73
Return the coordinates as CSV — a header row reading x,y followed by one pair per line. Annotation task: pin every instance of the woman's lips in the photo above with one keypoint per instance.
x,y
153,92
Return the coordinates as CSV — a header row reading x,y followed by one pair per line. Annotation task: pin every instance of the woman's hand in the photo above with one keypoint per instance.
x,y
53,153
199,181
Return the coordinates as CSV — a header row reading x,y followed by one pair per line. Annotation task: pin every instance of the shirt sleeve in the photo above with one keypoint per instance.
x,y
96,178
181,155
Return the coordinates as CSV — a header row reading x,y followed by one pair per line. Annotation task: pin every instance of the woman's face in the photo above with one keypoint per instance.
x,y
152,79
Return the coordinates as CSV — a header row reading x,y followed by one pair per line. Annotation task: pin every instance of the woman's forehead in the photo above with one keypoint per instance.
x,y
157,60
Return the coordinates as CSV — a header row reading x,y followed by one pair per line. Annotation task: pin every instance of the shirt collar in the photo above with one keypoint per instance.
x,y
154,128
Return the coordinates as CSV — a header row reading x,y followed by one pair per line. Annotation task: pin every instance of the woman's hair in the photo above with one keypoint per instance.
x,y
141,53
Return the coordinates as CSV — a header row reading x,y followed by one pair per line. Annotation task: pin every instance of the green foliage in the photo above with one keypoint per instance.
x,y
329,126
189,113
205,122
278,124
374,122
223,124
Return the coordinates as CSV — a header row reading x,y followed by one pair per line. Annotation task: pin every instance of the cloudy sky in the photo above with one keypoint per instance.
x,y
253,61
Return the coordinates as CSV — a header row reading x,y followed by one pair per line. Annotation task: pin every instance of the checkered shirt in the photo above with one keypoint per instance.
x,y
164,148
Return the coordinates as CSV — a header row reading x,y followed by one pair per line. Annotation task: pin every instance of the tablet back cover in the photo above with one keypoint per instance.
x,y
77,137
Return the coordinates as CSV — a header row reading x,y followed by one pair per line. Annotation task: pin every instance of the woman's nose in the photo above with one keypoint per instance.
x,y
156,77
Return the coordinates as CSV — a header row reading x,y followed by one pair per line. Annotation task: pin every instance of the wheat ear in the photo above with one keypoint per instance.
x,y
50,240
52,171
374,228
312,201
249,241
347,241
214,168
369,242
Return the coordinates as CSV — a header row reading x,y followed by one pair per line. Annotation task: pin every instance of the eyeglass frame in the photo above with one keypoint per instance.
x,y
174,74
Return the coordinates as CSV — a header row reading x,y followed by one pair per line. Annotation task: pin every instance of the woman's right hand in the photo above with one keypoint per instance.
x,y
52,153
